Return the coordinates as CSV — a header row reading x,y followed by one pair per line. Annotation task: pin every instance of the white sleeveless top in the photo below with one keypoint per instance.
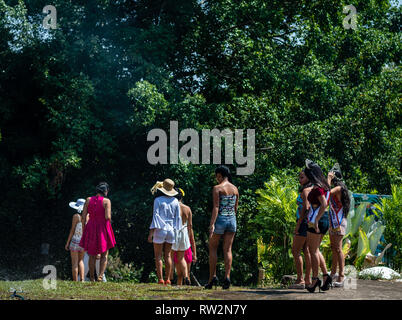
x,y
182,240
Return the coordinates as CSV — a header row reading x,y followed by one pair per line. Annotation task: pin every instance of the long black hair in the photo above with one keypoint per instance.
x,y
337,180
315,175
102,188
225,172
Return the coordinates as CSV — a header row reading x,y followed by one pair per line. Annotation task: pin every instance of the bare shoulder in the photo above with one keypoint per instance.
x,y
106,201
186,208
306,191
336,190
88,199
216,189
76,217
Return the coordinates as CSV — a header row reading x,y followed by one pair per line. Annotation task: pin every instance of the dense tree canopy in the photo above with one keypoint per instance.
x,y
77,102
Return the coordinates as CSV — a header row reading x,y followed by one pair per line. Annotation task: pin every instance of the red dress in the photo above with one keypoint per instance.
x,y
98,234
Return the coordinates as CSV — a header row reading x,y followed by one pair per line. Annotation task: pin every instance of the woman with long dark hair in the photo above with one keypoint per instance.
x,y
338,211
318,222
97,235
300,235
223,223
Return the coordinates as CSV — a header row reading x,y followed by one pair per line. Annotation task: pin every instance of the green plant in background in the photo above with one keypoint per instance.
x,y
274,224
119,271
364,233
391,209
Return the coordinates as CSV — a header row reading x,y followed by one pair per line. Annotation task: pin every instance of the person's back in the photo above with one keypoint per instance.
x,y
184,211
166,211
96,209
228,195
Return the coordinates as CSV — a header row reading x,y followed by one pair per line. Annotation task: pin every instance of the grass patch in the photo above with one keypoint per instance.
x,y
70,290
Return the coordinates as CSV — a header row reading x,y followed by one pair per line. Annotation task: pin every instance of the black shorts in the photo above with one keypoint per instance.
x,y
303,228
323,224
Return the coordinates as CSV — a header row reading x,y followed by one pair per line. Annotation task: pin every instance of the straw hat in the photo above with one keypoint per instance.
x,y
166,187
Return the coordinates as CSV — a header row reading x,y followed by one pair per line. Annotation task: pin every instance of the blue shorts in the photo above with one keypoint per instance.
x,y
162,236
303,228
225,224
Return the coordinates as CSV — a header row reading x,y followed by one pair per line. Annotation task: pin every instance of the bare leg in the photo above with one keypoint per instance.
x,y
313,243
307,258
181,267
168,259
81,265
298,243
158,247
213,257
74,265
227,251
337,254
323,265
91,263
174,267
188,271
102,265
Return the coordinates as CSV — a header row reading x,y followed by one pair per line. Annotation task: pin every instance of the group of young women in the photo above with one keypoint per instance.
x,y
314,221
171,229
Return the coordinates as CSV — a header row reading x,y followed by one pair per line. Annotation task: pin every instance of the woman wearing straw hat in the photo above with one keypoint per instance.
x,y
166,219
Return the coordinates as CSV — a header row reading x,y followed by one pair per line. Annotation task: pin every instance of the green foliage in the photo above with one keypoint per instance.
x,y
122,272
392,214
76,104
274,225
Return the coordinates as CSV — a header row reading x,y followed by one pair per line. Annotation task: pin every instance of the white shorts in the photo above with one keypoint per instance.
x,y
161,236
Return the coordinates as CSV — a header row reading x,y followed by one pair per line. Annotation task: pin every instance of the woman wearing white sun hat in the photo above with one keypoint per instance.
x,y
73,241
76,250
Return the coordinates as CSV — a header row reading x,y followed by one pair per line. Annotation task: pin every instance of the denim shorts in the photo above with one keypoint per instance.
x,y
303,228
225,223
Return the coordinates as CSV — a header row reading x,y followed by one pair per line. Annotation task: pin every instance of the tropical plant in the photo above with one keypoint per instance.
x,y
392,214
364,232
274,225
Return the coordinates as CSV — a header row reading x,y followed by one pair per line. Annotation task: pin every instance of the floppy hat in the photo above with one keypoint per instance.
x,y
166,187
78,205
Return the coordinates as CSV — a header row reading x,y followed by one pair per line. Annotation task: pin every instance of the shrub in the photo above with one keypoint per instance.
x,y
392,215
119,271
274,224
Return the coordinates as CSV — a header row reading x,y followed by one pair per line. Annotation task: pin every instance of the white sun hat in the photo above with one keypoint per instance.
x,y
78,205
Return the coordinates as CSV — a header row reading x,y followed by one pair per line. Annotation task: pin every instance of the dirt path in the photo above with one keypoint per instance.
x,y
365,290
